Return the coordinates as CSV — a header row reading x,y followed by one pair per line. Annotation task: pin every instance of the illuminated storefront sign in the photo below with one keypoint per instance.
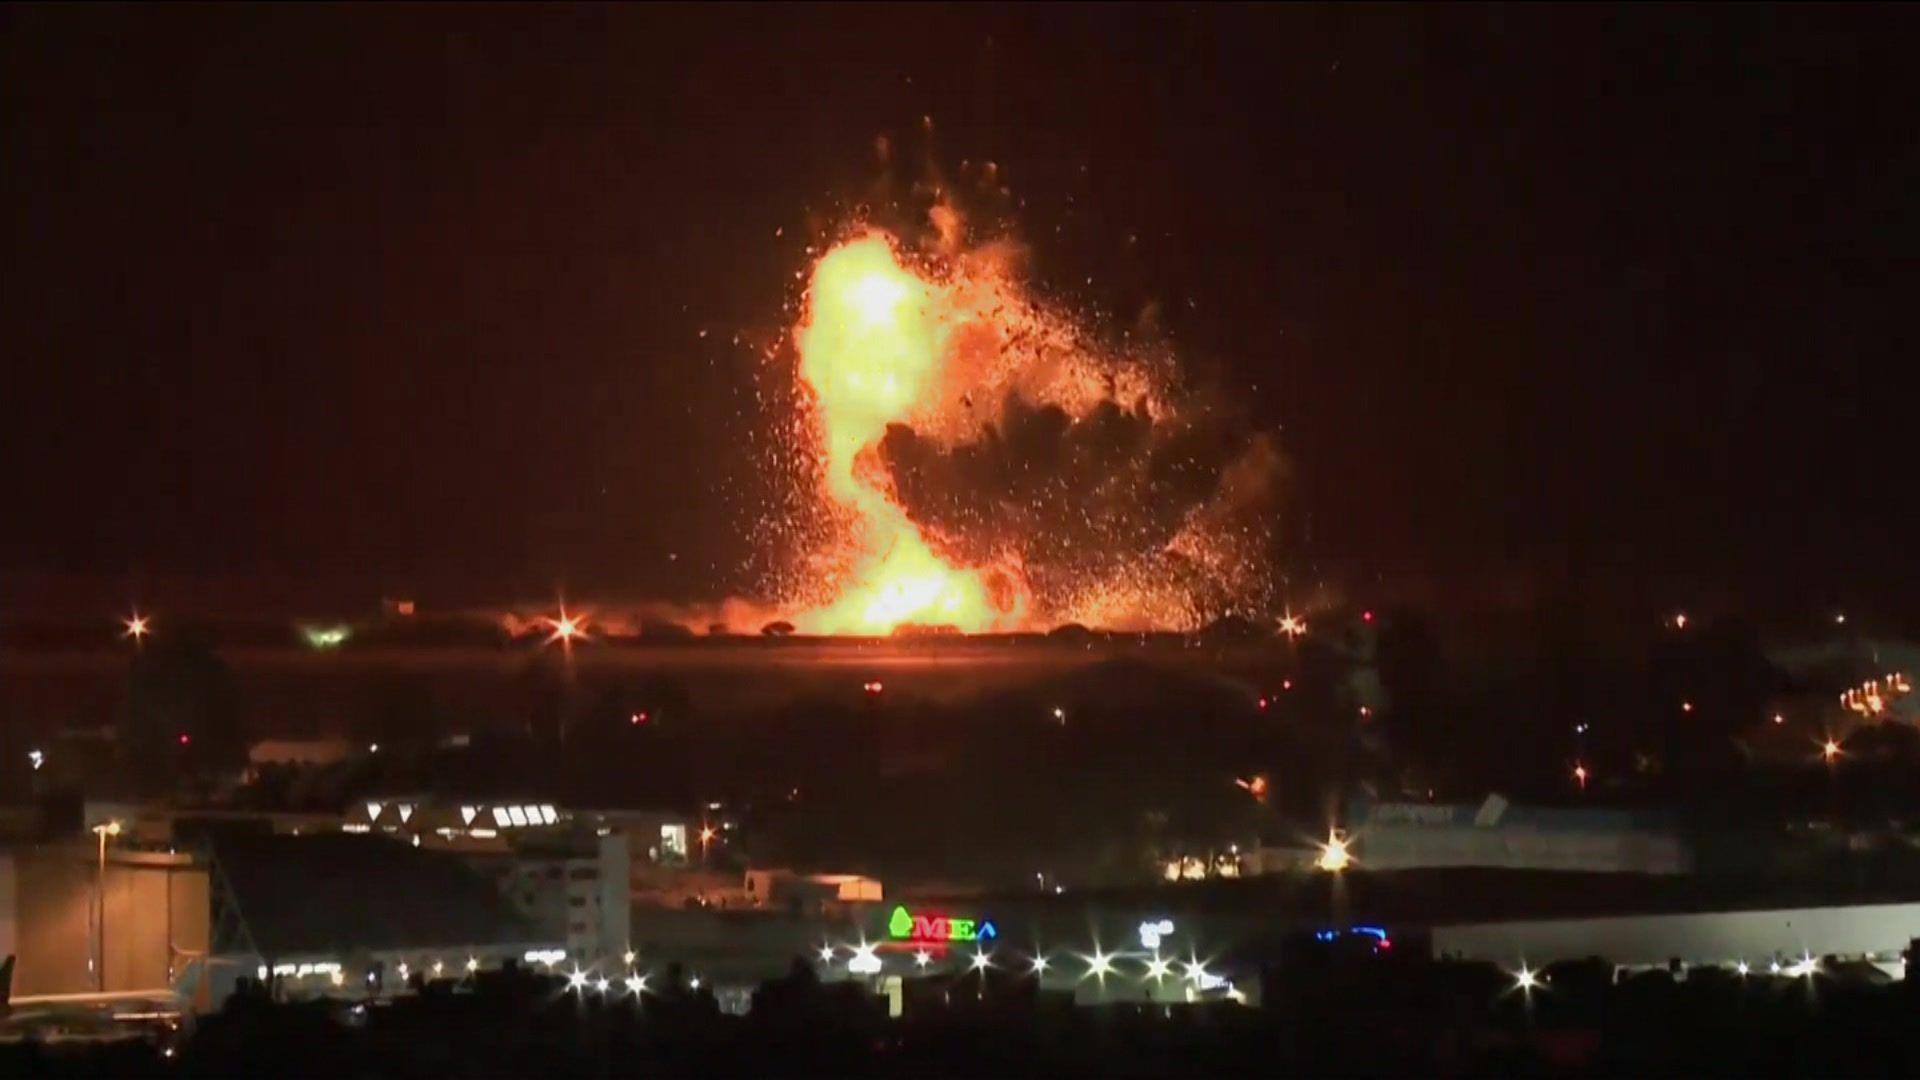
x,y
904,925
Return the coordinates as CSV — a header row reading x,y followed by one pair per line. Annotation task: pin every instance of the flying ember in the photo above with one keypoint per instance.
x,y
985,463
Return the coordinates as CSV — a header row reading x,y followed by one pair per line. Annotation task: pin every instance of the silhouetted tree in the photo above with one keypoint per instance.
x,y
181,708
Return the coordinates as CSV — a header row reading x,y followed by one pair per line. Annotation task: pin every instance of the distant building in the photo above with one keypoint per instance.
x,y
1496,834
810,894
320,913
81,918
572,888
290,752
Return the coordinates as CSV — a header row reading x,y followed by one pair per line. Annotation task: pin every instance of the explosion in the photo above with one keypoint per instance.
x,y
986,464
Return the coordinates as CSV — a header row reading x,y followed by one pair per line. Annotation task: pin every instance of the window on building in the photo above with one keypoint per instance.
x,y
673,843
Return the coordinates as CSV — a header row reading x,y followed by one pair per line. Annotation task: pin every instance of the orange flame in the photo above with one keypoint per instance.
x,y
941,343
875,343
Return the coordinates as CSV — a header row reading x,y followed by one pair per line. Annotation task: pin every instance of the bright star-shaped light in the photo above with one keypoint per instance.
x,y
577,980
921,958
473,964
1525,980
1040,965
136,626
565,627
1099,965
826,954
636,984
1292,625
1334,855
1157,968
981,961
601,985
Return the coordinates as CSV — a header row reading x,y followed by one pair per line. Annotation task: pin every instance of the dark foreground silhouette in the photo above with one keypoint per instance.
x,y
1398,1019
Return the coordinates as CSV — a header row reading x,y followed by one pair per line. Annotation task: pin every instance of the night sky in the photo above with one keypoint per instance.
x,y
313,305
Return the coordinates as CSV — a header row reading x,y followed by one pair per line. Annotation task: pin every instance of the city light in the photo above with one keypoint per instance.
x,y
438,967
1041,964
1292,625
636,984
36,759
1059,715
577,980
137,627
873,687
981,961
864,962
600,985
1830,750
1153,931
1680,620
325,637
473,965
1740,968
627,957
1099,965
1686,706
921,958
1524,980
566,628
1157,968
1580,775
825,954
1334,856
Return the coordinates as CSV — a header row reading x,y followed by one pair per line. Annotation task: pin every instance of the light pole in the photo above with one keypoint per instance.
x,y
111,828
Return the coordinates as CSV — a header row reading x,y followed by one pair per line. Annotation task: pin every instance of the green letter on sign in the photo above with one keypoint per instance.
x,y
901,924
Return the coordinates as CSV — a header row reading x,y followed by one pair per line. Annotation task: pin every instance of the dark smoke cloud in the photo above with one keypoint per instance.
x,y
1079,502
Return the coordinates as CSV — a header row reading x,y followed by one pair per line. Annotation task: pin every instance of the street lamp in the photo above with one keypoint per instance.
x,y
111,828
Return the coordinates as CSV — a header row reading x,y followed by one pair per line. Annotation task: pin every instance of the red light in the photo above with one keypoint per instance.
x,y
1263,703
185,738
637,719
1366,616
873,687
1286,684
1385,944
